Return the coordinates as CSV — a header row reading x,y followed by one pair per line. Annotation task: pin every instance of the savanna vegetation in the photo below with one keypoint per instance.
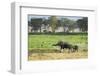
x,y
40,46
41,39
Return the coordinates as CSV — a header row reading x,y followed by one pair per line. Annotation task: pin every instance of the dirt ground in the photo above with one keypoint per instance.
x,y
57,56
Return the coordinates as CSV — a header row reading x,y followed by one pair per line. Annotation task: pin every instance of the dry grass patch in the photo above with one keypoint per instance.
x,y
56,56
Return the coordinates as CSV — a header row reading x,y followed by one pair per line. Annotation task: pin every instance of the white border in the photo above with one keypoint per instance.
x,y
19,37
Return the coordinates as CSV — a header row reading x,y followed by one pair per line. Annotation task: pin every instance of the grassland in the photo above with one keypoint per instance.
x,y
40,46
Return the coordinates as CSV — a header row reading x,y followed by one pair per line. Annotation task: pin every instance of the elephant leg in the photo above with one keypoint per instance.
x,y
62,49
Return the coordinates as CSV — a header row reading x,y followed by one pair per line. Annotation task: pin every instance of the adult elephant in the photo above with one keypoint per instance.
x,y
64,45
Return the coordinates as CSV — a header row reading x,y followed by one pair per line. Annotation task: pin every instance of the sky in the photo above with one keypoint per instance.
x,y
46,17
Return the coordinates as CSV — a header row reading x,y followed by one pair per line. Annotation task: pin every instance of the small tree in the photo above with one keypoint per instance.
x,y
53,22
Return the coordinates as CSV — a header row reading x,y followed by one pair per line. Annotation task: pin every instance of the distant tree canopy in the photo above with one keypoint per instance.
x,y
54,22
65,22
83,24
36,23
45,21
68,23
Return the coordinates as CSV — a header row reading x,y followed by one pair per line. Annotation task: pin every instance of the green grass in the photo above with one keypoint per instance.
x,y
40,46
46,41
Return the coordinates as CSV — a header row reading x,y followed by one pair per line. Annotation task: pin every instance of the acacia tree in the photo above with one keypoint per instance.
x,y
36,24
53,22
70,24
83,24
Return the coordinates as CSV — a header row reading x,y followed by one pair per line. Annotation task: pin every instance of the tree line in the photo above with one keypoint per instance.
x,y
54,23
